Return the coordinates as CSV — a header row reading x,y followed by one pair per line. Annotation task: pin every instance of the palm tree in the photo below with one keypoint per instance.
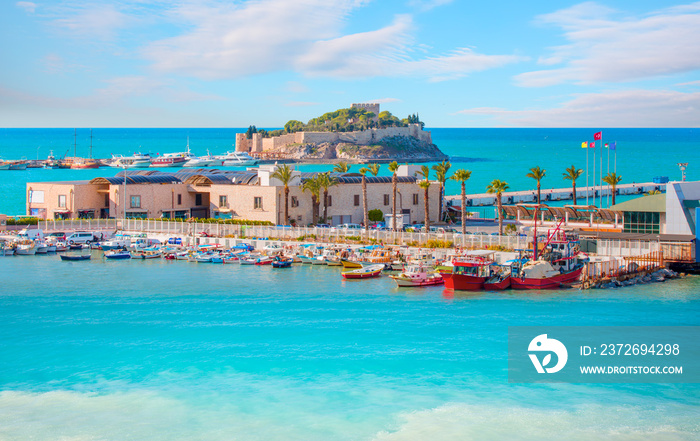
x,y
497,186
393,167
314,187
285,174
365,214
462,176
537,174
441,170
612,179
653,192
325,182
425,185
572,173
342,167
374,169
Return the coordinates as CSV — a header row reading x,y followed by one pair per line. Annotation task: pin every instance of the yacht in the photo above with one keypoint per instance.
x,y
170,160
202,161
237,159
137,160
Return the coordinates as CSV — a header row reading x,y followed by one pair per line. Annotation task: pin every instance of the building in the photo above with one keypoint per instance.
x,y
251,195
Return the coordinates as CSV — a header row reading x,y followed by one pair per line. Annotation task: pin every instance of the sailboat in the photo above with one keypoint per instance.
x,y
77,162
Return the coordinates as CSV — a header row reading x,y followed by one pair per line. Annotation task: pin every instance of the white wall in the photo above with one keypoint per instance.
x,y
676,193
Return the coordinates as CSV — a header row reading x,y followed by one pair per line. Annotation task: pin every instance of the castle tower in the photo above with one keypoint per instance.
x,y
370,107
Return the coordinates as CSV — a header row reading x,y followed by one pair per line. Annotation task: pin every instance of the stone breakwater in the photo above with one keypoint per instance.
x,y
398,148
660,275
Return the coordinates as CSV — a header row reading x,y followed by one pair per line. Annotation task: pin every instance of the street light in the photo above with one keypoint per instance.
x,y
124,167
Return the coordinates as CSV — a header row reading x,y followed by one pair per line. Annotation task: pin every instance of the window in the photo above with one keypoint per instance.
x,y
386,199
415,198
257,203
295,201
106,199
357,200
198,199
61,201
330,200
179,199
138,215
641,222
223,201
135,202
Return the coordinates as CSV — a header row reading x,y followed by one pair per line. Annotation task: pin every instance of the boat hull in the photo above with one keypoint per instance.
x,y
75,258
462,282
497,286
553,282
402,282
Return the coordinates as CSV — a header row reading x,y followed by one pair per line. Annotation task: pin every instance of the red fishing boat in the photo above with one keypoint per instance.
x,y
498,282
470,272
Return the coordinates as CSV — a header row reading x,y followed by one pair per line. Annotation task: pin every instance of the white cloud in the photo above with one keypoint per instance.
x,y
604,49
426,5
93,21
232,40
29,7
632,108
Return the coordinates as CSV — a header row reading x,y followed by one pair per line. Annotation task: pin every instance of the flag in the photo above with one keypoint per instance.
x,y
598,136
591,145
606,145
612,146
584,145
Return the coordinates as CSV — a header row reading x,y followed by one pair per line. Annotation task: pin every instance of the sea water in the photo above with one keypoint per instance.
x,y
505,154
171,350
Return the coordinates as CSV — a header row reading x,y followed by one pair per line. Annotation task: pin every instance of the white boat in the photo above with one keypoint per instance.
x,y
42,247
118,241
137,160
417,275
26,248
237,159
202,161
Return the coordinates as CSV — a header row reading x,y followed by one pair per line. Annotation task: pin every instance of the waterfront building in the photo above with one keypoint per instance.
x,y
226,194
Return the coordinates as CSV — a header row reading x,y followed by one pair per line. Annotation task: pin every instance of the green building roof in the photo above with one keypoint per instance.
x,y
655,203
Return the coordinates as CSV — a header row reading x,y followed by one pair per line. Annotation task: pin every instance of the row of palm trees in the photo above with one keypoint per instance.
x,y
323,181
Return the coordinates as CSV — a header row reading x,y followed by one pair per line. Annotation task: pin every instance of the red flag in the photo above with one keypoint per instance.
x,y
598,136
591,145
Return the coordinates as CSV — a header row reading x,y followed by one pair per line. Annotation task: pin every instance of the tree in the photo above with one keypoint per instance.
x,y
393,167
425,185
441,170
285,174
250,131
341,167
363,172
376,215
572,173
374,169
462,176
497,186
293,126
325,182
313,186
537,174
612,179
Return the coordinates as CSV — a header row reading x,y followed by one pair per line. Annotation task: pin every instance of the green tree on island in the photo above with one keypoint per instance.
x,y
285,174
441,170
393,167
572,173
341,167
425,185
313,186
537,174
498,187
612,179
462,176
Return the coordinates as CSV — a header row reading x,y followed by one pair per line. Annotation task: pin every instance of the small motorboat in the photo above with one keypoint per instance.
x,y
265,260
416,276
118,255
74,257
498,282
364,273
349,264
282,262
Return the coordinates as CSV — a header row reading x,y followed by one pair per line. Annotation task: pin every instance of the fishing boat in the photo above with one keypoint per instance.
x,y
559,264
264,260
84,163
350,264
364,272
470,272
282,262
75,257
498,282
416,276
118,255
147,254
25,248
237,159
13,165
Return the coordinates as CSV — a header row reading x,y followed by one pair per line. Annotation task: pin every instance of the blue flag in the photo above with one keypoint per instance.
x,y
612,146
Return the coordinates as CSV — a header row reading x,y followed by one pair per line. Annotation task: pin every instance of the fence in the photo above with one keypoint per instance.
x,y
620,266
285,233
626,248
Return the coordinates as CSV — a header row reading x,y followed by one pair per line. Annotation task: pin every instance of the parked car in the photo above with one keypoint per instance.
x,y
58,235
80,237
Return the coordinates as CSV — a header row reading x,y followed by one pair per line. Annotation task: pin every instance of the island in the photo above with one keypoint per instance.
x,y
360,133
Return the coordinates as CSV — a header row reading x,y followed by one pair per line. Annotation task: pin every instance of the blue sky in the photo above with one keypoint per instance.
x,y
143,63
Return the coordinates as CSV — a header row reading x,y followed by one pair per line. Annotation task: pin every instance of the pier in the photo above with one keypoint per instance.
x,y
555,194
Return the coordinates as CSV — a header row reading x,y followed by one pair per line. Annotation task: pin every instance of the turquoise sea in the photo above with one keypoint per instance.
x,y
505,154
170,350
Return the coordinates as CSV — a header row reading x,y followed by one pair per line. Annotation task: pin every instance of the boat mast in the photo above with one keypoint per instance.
x,y
90,144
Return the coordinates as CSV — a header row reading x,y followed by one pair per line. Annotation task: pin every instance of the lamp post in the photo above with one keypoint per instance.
x,y
683,166
124,167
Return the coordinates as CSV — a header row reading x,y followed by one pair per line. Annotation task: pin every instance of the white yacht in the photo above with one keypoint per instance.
x,y
237,159
137,160
202,161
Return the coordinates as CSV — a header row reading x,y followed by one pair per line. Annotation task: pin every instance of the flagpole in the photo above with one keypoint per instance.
x,y
600,189
609,192
594,181
587,189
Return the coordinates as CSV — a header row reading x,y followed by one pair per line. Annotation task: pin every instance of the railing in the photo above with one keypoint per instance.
x,y
309,234
626,248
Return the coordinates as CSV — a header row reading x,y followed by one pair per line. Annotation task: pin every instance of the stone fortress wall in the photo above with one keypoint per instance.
x,y
258,144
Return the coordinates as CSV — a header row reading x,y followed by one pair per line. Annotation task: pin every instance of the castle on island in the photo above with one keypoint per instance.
x,y
258,144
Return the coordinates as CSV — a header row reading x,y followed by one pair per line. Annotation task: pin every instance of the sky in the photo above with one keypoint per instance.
x,y
218,63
